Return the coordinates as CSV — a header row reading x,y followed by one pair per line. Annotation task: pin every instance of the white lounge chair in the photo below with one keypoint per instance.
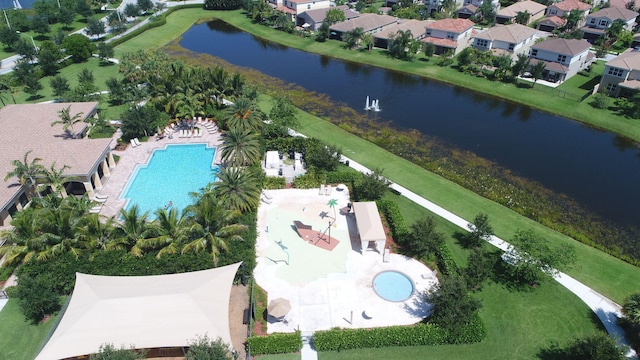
x,y
137,141
98,196
266,201
133,143
99,200
96,209
327,190
267,195
321,189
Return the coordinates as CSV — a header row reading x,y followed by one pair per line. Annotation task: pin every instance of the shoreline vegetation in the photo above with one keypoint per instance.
x,y
606,274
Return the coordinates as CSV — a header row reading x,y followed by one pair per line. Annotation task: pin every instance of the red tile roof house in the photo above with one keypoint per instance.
x,y
449,35
295,7
621,75
599,21
315,18
512,39
27,127
369,23
558,11
508,14
563,58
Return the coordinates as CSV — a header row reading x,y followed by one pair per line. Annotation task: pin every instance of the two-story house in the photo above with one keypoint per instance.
x,y
508,14
471,7
416,27
294,7
556,13
512,39
449,35
563,58
621,75
598,22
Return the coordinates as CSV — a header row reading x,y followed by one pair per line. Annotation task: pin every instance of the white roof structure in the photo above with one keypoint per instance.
x,y
272,160
369,224
143,312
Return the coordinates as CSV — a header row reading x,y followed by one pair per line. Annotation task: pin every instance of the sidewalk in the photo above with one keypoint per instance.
x,y
605,309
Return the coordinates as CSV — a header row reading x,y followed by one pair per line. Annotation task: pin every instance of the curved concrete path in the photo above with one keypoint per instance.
x,y
607,310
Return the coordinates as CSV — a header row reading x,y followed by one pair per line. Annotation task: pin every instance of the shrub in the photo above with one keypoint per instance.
x,y
392,214
420,334
272,182
275,343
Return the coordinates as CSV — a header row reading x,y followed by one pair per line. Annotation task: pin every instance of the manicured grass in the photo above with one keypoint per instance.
x,y
279,357
20,340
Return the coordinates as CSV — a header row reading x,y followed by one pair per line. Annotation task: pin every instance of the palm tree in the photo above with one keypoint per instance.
x,y
537,71
67,120
26,172
237,189
95,231
55,179
243,115
240,148
133,228
631,308
57,229
171,230
367,41
21,244
214,225
353,37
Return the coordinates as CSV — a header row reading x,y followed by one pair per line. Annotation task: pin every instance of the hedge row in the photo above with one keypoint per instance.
x,y
279,343
393,215
420,334
446,263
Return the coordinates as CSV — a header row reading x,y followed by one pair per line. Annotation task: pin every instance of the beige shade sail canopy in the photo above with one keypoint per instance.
x,y
143,312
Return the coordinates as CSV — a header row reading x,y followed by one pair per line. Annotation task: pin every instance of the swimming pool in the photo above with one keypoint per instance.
x,y
393,286
170,175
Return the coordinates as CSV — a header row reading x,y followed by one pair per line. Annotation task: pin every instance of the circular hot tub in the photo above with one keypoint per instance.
x,y
393,286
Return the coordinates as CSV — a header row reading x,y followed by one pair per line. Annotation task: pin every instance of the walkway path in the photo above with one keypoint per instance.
x,y
607,311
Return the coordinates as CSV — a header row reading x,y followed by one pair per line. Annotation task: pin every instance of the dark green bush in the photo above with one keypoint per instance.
x,y
446,263
272,182
6,272
275,343
420,334
395,220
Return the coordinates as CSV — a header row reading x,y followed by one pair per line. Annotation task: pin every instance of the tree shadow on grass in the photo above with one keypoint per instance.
x,y
465,240
35,97
502,275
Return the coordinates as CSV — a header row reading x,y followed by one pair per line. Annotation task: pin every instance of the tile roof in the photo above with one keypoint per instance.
x,y
531,7
366,21
451,25
415,26
629,60
441,42
630,84
619,3
512,33
553,20
28,127
613,13
563,46
551,66
568,5
318,15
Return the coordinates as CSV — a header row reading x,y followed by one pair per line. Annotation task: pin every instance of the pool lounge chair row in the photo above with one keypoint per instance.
x,y
135,142
188,133
325,190
209,125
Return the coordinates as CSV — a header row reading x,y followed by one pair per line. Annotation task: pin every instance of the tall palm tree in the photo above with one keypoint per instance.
x,y
214,225
220,78
27,172
95,231
133,228
237,189
243,115
21,241
56,179
170,231
67,120
240,148
352,38
57,229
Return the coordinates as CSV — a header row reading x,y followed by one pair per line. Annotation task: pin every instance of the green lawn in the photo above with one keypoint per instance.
x,y
20,340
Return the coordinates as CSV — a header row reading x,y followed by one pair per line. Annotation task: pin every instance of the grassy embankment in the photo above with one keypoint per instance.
x,y
20,339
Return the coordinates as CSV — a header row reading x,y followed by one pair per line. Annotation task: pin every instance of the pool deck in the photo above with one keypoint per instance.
x,y
131,157
329,289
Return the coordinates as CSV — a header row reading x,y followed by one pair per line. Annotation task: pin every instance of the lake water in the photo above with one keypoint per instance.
x,y
598,169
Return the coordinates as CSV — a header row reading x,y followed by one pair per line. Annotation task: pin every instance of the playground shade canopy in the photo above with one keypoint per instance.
x,y
143,312
369,224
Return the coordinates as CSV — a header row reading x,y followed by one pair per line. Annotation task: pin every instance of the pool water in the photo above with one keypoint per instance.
x,y
393,286
169,177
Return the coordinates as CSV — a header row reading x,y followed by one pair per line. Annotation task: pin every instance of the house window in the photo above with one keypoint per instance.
x,y
450,36
428,32
512,46
616,72
612,87
593,21
308,7
553,11
534,52
562,58
603,23
482,42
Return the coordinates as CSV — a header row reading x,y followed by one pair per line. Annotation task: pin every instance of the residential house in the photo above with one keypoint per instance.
x,y
449,35
561,10
294,7
370,24
619,3
508,14
433,6
27,127
598,22
472,7
621,75
416,27
563,58
512,39
314,18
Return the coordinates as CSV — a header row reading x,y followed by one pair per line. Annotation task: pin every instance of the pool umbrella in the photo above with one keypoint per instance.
x,y
279,307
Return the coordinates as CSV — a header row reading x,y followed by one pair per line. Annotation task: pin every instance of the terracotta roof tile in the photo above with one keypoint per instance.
x,y
451,25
